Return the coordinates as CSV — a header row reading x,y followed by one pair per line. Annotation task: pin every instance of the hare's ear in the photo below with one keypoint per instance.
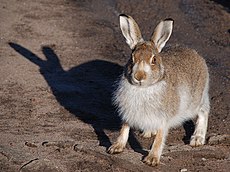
x,y
130,30
162,33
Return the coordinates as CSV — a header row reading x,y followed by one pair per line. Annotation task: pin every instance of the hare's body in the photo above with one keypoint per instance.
x,y
175,98
160,90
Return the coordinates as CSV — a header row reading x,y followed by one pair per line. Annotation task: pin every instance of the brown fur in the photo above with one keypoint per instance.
x,y
157,143
191,69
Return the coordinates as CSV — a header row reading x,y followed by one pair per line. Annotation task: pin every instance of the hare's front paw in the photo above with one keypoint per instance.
x,y
117,147
151,160
197,141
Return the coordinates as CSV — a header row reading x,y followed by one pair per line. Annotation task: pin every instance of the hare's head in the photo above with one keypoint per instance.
x,y
145,66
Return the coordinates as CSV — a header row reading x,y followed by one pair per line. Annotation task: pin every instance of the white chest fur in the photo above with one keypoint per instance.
x,y
141,107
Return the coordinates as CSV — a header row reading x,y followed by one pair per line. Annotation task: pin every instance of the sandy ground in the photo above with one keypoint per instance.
x,y
59,60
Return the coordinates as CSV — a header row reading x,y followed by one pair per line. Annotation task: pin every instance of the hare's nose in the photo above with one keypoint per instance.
x,y
140,75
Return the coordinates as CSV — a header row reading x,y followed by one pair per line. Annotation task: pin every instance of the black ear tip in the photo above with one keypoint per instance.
x,y
123,15
169,19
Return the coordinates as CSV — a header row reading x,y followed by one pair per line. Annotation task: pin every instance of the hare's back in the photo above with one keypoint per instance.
x,y
184,65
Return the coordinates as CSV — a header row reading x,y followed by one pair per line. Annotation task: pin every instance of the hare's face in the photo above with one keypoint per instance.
x,y
145,67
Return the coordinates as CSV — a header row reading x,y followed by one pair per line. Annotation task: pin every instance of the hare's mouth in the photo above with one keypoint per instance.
x,y
136,82
142,83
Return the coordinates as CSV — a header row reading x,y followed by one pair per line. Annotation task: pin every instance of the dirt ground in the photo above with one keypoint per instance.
x,y
59,60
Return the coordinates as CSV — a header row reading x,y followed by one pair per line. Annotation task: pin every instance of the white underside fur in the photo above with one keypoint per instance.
x,y
142,108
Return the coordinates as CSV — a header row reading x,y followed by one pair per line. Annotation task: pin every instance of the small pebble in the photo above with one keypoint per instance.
x,y
204,159
183,170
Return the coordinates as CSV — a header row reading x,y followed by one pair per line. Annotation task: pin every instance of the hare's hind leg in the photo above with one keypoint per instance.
x,y
119,145
148,134
198,137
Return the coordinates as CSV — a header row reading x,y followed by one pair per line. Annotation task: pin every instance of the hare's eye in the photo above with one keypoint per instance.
x,y
153,60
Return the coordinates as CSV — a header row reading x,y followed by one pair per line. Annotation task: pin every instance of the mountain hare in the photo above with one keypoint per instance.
x,y
160,90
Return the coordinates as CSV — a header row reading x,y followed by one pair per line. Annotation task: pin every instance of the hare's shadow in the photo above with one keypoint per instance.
x,y
84,90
